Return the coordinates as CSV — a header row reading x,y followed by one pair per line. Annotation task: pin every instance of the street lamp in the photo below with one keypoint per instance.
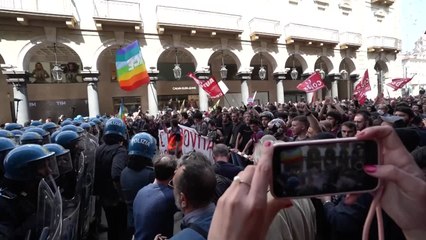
x,y
262,71
294,74
57,72
344,74
223,71
177,71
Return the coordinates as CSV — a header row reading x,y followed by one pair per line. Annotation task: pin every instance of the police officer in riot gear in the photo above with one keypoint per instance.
x,y
111,159
139,171
70,140
6,145
24,167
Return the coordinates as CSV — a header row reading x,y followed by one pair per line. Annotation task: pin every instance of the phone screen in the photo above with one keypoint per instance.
x,y
323,167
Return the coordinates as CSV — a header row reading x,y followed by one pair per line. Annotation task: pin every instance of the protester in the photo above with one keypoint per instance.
x,y
222,166
194,185
154,204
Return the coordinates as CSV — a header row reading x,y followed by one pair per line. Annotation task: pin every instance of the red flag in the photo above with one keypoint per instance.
x,y
364,85
398,83
312,83
362,88
210,86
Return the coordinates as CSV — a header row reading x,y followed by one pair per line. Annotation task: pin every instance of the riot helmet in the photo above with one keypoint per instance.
x,y
17,133
6,145
42,132
31,138
13,126
53,136
86,126
143,144
68,139
73,128
7,134
76,122
28,163
36,123
49,127
63,157
66,122
115,126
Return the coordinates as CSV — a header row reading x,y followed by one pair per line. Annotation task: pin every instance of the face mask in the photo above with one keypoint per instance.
x,y
380,112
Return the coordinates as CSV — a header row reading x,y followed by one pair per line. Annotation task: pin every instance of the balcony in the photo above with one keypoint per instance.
x,y
27,11
381,44
310,35
193,20
117,13
383,2
264,28
350,40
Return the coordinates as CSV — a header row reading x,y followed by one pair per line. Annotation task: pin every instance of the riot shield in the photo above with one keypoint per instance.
x,y
87,205
71,211
49,212
71,208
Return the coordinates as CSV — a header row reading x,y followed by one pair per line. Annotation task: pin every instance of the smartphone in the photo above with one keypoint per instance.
x,y
323,167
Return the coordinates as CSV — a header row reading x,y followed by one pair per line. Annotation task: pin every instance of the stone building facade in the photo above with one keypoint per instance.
x,y
339,38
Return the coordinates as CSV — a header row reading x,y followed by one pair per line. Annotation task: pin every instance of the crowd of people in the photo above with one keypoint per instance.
x,y
146,194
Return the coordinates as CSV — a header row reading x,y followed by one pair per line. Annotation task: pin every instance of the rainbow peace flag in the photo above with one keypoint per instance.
x,y
131,69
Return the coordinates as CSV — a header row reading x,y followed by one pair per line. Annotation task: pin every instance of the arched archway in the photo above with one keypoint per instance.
x,y
348,65
295,62
382,71
40,60
265,60
176,93
172,56
346,68
227,58
323,63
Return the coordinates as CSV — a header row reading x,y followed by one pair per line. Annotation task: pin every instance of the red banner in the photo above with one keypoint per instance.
x,y
362,88
210,86
398,83
364,85
312,84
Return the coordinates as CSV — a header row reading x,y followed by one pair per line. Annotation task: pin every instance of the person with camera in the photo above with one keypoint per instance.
x,y
403,186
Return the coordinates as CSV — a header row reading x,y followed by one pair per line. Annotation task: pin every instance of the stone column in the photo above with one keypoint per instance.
x,y
279,78
20,95
152,91
245,76
19,80
93,99
92,77
335,85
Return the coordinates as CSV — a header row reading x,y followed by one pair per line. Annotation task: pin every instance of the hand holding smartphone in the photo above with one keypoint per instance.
x,y
323,167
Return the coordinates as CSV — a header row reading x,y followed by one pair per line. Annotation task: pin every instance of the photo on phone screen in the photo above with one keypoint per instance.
x,y
323,167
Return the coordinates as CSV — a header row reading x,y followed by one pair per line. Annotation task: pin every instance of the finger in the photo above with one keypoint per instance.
x,y
407,182
390,143
385,134
263,173
245,179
